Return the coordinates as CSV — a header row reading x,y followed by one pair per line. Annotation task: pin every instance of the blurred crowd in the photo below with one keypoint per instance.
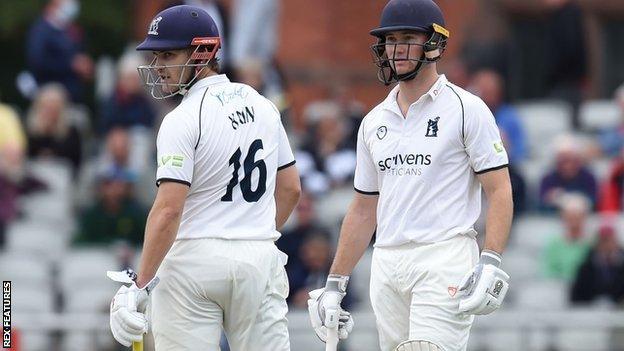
x,y
109,147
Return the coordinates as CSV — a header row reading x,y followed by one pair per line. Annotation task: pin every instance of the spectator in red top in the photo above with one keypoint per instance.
x,y
612,196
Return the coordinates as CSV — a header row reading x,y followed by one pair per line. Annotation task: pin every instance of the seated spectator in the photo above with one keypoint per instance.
x,y
316,257
564,254
117,151
569,175
315,254
518,184
50,133
54,48
268,80
519,192
601,275
12,149
127,107
116,216
489,86
305,219
612,140
353,109
327,158
612,196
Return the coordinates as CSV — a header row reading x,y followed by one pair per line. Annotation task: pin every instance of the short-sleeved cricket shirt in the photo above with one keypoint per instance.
x,y
227,142
424,166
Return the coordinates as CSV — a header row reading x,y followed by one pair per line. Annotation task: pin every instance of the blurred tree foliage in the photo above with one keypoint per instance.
x,y
107,28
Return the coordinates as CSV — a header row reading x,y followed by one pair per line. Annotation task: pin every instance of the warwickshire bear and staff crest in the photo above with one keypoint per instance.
x,y
432,127
153,28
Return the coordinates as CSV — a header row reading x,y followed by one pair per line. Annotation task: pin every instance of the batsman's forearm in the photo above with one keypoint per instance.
x,y
355,235
160,233
498,221
285,202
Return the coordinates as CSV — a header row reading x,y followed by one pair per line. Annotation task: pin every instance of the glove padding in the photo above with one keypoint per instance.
x,y
483,289
128,321
322,301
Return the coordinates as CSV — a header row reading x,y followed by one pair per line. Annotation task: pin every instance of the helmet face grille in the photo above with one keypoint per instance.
x,y
153,75
159,88
432,51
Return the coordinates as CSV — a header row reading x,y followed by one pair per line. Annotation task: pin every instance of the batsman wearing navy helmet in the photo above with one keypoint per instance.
x,y
225,186
423,156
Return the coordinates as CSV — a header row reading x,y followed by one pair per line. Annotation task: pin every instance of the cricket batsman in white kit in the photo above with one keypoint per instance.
x,y
423,156
225,185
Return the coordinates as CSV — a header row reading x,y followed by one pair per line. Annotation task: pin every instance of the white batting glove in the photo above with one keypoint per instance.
x,y
128,321
483,289
321,304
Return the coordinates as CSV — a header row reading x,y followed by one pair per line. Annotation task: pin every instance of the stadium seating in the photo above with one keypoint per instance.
x,y
33,237
361,279
599,115
87,266
26,271
542,120
531,233
542,295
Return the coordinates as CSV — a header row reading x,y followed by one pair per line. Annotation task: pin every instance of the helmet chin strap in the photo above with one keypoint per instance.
x,y
409,75
432,51
191,81
412,74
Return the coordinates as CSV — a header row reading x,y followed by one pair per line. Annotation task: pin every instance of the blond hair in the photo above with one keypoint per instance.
x,y
35,124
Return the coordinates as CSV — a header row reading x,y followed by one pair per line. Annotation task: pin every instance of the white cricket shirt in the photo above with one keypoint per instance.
x,y
424,167
227,142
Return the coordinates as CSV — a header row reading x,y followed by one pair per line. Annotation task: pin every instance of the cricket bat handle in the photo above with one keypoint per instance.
x,y
137,346
331,344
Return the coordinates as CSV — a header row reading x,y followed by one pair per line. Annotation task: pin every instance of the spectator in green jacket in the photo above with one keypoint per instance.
x,y
117,215
564,254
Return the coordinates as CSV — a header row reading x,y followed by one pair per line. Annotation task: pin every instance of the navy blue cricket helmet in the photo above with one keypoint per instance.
x,y
176,28
422,16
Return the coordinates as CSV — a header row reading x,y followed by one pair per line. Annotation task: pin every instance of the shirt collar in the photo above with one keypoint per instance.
x,y
208,81
391,104
437,87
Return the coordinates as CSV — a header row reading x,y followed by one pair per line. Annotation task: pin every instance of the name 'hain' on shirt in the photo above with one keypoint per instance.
x,y
243,116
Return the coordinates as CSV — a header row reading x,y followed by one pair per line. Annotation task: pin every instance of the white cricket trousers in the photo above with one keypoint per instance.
x,y
412,291
210,284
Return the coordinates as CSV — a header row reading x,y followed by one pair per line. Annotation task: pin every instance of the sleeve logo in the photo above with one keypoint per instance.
x,y
498,147
381,132
171,161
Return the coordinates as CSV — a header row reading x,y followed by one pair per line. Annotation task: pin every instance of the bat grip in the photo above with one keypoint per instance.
x,y
331,322
137,346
